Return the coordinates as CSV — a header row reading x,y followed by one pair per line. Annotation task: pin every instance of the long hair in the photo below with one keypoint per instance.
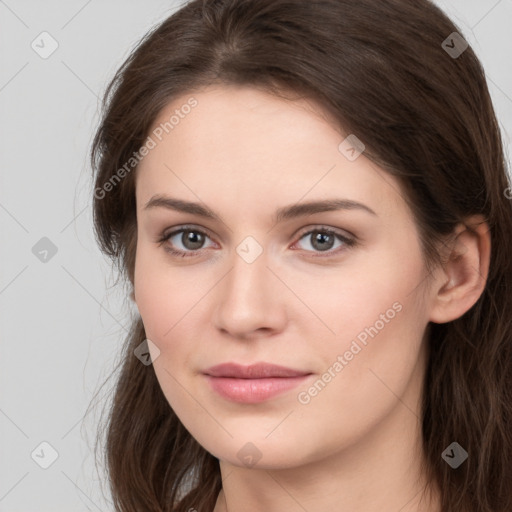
x,y
386,74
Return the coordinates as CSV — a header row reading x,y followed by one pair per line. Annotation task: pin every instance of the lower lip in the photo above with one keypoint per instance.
x,y
253,391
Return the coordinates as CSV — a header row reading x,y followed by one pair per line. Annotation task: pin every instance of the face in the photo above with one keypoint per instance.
x,y
334,294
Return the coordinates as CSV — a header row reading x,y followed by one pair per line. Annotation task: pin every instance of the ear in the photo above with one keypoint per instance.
x,y
461,281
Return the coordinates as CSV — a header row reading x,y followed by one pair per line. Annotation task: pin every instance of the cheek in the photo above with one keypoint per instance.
x,y
158,295
171,301
361,382
378,317
365,291
163,299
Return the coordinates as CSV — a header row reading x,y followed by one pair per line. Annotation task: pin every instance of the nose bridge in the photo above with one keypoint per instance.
x,y
249,276
246,300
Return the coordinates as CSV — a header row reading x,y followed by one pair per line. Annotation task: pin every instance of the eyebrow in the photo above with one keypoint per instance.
x,y
282,214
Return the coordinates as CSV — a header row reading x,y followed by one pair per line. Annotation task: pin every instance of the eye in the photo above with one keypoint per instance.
x,y
192,239
322,239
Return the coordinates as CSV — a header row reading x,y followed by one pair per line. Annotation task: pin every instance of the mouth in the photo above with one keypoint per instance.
x,y
253,371
255,383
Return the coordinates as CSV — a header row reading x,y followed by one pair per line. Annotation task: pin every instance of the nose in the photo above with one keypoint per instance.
x,y
250,299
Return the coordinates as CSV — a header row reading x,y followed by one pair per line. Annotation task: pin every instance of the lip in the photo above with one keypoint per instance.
x,y
254,383
253,371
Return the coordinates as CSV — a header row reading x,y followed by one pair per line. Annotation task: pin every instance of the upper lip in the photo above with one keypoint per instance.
x,y
253,371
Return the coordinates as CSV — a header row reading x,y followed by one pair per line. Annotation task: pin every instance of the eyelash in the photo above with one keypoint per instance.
x,y
348,242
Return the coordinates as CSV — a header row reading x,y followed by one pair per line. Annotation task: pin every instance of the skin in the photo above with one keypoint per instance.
x,y
356,445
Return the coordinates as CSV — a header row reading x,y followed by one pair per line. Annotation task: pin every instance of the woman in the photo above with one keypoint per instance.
x,y
370,374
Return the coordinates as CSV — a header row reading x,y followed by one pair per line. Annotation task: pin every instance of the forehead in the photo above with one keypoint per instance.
x,y
260,123
241,144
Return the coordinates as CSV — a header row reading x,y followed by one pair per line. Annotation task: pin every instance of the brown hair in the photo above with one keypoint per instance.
x,y
425,116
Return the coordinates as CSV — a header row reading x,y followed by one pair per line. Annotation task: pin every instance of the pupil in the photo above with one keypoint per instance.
x,y
322,237
193,238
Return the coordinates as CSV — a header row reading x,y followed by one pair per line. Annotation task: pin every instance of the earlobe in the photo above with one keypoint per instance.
x,y
464,274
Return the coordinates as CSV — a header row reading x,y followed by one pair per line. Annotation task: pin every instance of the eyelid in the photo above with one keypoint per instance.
x,y
166,234
323,227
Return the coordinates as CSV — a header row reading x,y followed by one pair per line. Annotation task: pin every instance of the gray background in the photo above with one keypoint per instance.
x,y
62,322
